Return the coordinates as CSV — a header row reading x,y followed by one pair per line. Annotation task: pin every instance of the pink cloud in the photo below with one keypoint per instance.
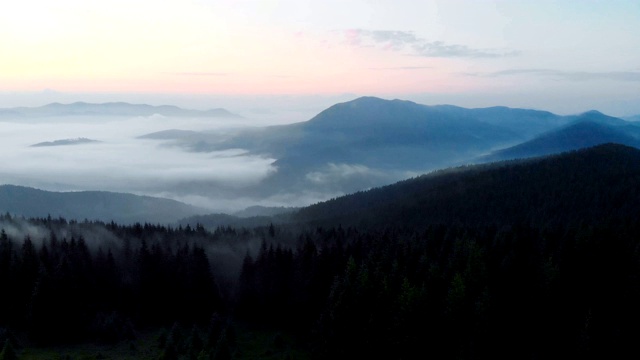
x,y
353,36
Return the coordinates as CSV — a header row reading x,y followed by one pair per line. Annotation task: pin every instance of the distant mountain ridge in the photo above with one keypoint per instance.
x,y
93,205
369,141
527,121
252,216
390,134
366,143
586,131
110,109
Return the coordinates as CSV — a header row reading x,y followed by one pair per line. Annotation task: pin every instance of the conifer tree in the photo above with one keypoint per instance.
x,y
8,352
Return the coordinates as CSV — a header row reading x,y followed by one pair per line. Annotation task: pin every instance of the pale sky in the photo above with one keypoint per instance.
x,y
565,56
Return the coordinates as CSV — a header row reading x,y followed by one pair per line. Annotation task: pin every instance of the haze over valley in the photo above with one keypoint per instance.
x,y
216,161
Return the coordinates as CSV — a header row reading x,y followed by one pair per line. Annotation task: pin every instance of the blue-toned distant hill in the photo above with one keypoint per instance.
x,y
109,109
374,131
93,205
369,142
395,134
586,130
363,143
252,216
524,121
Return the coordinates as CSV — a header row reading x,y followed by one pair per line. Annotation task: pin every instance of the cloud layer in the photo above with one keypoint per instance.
x,y
120,161
567,75
408,42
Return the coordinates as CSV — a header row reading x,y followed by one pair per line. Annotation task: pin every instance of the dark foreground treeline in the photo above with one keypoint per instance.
x,y
448,291
531,260
454,292
60,290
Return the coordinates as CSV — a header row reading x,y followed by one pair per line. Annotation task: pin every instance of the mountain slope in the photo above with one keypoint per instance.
x,y
580,134
597,117
366,142
347,132
369,142
524,121
597,184
379,124
92,205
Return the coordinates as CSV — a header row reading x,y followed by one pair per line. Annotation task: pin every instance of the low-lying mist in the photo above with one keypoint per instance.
x,y
225,251
120,161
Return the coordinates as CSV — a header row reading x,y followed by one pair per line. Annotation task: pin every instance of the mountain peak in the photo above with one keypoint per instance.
x,y
373,101
597,116
592,113
368,110
365,99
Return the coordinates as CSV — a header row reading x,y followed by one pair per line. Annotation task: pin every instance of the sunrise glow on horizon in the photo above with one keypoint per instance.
x,y
331,47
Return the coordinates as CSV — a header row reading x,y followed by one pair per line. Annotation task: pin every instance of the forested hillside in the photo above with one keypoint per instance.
x,y
587,186
528,259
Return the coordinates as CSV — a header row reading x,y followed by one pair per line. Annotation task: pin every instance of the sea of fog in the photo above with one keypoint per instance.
x,y
122,162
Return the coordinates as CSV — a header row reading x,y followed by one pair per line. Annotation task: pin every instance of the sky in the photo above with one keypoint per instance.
x,y
283,61
256,57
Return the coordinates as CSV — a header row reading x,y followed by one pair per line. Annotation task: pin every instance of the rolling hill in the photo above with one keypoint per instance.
x,y
524,121
596,184
93,205
580,134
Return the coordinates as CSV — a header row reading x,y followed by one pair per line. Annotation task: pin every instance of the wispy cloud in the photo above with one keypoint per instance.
x,y
201,74
335,172
402,68
566,75
414,45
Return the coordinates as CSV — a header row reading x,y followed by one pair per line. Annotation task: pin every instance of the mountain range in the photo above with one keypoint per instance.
x,y
108,109
369,142
349,147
